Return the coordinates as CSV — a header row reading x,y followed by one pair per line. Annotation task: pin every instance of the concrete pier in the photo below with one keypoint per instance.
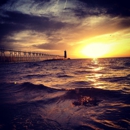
x,y
22,56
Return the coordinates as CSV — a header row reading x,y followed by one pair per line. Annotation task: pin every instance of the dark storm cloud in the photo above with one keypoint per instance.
x,y
36,23
8,29
48,46
14,22
52,46
2,2
8,44
8,3
110,7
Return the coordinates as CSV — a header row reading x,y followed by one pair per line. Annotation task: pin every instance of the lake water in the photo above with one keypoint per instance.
x,y
82,94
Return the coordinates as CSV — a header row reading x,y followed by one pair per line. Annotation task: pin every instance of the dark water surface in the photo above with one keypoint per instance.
x,y
66,95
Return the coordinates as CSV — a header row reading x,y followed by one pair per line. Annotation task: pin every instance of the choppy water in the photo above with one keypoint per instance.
x,y
66,95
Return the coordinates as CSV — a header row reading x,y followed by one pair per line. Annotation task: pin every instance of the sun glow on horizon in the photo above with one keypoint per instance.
x,y
95,50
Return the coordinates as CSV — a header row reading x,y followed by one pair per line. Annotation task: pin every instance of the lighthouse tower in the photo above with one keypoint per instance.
x,y
65,54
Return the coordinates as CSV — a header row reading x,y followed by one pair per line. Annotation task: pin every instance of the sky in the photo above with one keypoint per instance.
x,y
85,28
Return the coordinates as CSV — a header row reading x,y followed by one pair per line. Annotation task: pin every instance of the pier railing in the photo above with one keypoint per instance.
x,y
23,56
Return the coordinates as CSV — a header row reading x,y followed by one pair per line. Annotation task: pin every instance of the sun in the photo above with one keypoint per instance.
x,y
95,50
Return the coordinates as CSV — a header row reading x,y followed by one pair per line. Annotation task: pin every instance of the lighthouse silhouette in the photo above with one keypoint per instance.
x,y
65,54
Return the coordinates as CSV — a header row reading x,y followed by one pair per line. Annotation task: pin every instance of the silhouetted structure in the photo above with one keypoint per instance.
x,y
65,54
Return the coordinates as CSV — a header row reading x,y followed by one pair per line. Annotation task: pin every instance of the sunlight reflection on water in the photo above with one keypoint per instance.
x,y
96,74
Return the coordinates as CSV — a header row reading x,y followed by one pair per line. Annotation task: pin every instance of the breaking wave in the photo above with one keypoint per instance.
x,y
29,106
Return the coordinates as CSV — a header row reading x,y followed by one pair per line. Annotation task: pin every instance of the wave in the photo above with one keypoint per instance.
x,y
115,79
85,90
82,72
78,84
41,107
24,92
128,76
92,92
35,76
90,71
127,64
117,67
64,76
83,87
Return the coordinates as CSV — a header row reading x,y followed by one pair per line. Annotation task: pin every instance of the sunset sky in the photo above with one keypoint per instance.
x,y
85,28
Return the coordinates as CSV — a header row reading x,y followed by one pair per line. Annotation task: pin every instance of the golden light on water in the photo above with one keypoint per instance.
x,y
96,74
95,50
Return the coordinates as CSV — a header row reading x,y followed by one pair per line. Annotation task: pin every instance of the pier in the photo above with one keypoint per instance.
x,y
8,56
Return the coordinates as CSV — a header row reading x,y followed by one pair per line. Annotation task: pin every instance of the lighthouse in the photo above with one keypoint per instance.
x,y
65,54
